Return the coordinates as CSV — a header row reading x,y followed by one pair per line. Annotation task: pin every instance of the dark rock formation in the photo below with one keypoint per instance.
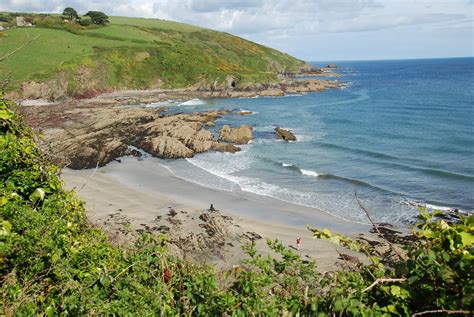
x,y
225,147
231,82
240,135
285,134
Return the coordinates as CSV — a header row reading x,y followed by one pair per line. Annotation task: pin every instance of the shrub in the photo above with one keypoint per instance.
x,y
54,22
433,274
85,21
98,17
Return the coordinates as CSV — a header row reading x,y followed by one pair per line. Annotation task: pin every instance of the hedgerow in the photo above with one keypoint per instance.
x,y
53,262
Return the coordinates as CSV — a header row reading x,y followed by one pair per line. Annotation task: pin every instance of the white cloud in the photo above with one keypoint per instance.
x,y
272,21
217,5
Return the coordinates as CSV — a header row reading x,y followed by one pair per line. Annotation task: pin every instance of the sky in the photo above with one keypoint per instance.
x,y
313,30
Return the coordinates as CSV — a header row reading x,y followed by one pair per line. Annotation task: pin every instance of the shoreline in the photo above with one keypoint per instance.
x,y
146,196
134,96
135,173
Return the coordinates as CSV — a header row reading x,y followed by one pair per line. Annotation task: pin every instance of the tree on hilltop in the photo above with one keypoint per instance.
x,y
98,17
70,13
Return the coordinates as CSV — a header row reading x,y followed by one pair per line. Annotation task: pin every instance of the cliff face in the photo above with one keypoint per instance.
x,y
64,60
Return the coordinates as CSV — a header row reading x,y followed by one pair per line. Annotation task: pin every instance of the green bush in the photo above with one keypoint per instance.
x,y
434,272
85,21
53,22
98,17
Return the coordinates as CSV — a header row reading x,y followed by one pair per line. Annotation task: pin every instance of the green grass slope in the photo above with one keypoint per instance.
x,y
133,53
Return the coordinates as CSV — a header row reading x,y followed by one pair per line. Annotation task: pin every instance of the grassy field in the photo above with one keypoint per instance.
x,y
155,23
134,53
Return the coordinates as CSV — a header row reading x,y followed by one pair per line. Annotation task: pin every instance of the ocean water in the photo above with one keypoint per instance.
x,y
400,135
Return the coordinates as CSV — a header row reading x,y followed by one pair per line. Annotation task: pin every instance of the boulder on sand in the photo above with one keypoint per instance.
x,y
285,134
240,135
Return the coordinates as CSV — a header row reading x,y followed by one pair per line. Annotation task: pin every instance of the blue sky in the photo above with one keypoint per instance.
x,y
310,29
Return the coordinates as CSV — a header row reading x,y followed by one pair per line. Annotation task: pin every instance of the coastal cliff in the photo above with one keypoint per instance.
x,y
58,59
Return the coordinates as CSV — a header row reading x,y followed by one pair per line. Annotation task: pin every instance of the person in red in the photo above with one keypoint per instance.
x,y
298,243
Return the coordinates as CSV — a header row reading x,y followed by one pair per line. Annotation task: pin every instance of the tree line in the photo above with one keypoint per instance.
x,y
91,17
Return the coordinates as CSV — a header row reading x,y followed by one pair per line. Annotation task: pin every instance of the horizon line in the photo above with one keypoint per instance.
x,y
386,59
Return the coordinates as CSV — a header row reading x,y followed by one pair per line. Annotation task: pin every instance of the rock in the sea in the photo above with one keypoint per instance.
x,y
285,134
135,153
240,135
225,147
166,147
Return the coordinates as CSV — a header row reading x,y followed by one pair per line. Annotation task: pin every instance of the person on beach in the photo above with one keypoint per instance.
x,y
212,208
298,243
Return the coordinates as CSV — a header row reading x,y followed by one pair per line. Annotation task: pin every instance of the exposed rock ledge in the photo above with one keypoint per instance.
x,y
286,135
56,91
241,135
86,135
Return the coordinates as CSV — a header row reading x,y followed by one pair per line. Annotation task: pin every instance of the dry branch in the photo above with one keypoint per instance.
x,y
384,281
377,228
444,311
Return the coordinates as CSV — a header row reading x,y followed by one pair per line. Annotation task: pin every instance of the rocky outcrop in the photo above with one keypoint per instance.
x,y
311,71
86,83
165,147
87,136
225,147
240,135
286,135
185,129
90,152
231,82
32,89
284,85
310,85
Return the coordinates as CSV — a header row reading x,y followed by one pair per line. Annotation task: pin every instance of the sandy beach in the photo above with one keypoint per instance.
x,y
141,195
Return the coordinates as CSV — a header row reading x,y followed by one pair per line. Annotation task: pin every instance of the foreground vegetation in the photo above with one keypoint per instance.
x,y
52,261
80,60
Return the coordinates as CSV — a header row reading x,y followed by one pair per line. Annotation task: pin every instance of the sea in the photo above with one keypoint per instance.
x,y
398,136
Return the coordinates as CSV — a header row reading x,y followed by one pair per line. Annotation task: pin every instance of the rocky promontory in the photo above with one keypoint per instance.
x,y
89,135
